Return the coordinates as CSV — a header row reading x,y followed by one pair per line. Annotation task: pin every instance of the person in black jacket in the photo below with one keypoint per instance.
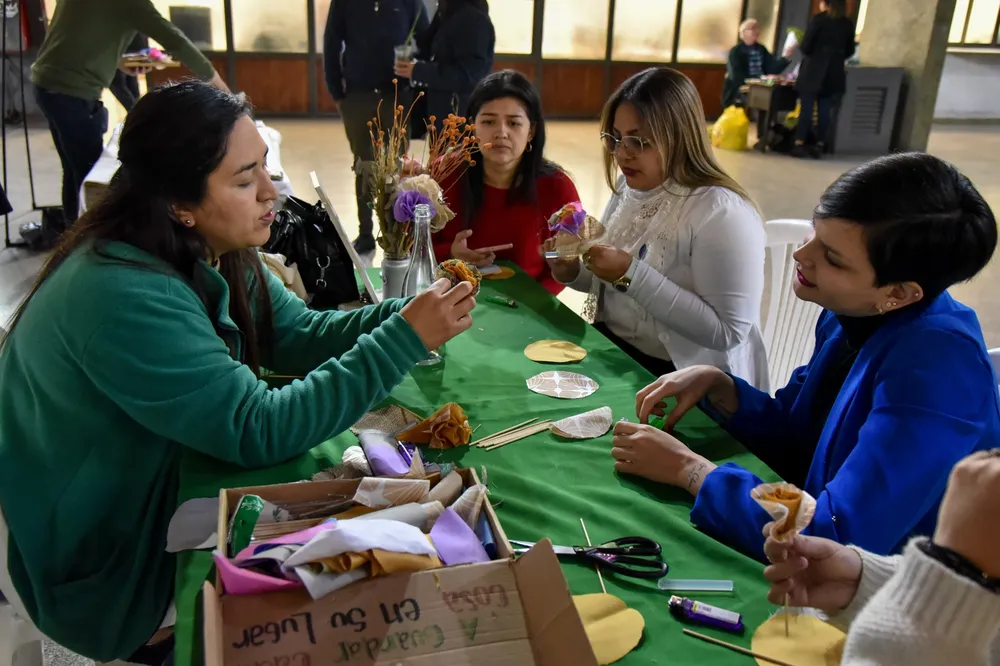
x,y
456,54
822,80
358,55
748,60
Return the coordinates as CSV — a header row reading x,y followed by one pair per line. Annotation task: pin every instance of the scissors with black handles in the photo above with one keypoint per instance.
x,y
636,557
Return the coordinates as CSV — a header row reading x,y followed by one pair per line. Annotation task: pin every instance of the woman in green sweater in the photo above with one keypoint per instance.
x,y
145,335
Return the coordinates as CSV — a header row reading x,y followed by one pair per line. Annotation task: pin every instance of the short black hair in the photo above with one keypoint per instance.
x,y
924,221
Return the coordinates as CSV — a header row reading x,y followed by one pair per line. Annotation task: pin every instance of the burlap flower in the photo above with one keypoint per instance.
x,y
430,188
458,271
446,428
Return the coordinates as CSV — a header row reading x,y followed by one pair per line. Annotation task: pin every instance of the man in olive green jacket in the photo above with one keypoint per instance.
x,y
78,60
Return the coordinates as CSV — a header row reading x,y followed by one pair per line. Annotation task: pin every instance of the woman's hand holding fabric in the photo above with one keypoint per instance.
x,y
813,572
563,270
440,313
659,456
606,262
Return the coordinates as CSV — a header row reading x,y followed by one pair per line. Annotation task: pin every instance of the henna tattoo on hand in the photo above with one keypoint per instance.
x,y
694,476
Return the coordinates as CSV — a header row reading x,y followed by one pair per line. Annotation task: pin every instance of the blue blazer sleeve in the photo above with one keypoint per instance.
x,y
928,407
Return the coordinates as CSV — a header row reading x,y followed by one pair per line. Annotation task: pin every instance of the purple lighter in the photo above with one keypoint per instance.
x,y
710,616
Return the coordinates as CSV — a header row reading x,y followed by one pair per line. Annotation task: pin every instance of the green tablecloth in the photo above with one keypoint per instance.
x,y
541,486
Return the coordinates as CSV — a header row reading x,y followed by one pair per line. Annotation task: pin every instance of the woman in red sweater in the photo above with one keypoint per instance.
x,y
504,201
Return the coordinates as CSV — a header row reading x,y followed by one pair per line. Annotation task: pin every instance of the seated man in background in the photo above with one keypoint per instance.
x,y
748,60
900,386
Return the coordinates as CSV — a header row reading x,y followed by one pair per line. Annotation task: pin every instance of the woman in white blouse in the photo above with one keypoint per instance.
x,y
680,270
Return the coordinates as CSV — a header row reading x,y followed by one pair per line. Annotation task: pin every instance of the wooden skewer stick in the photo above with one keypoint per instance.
x,y
518,435
786,615
485,440
736,648
600,576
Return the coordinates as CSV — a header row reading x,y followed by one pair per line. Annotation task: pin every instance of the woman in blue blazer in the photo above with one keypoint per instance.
x,y
899,388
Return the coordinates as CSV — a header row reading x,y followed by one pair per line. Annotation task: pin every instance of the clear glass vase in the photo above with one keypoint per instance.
x,y
420,273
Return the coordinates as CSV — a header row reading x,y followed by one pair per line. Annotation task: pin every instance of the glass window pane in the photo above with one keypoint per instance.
x,y
644,32
575,29
322,12
862,13
513,21
958,21
268,26
982,21
708,30
766,13
203,21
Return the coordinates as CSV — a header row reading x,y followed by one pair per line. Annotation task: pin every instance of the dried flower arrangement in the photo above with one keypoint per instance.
x,y
450,150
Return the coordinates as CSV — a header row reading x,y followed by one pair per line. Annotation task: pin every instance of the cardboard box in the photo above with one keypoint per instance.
x,y
499,613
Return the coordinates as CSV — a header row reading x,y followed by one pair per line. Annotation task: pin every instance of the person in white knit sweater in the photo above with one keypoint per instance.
x,y
937,603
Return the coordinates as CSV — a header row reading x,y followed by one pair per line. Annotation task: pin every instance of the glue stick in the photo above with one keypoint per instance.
x,y
710,616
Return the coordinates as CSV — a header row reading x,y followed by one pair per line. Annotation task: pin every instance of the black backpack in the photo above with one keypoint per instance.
x,y
304,234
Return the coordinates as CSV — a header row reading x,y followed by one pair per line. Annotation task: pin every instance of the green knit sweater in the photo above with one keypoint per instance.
x,y
111,372
86,39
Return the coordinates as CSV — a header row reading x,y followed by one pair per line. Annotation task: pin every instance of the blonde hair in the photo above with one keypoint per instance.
x,y
749,22
668,103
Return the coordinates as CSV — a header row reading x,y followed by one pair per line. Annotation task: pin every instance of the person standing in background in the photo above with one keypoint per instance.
x,y
359,52
456,54
748,60
78,60
125,86
822,80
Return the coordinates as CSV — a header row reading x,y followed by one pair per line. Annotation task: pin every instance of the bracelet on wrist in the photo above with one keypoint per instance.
x,y
958,564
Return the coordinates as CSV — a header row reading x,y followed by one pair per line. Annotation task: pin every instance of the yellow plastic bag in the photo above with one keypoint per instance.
x,y
792,119
730,131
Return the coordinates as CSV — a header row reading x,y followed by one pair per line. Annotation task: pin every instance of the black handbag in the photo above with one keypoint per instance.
x,y
304,234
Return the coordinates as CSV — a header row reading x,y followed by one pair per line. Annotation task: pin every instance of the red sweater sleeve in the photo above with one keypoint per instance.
x,y
554,192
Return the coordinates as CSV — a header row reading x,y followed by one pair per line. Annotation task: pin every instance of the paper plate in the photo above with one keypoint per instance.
x,y
504,273
613,628
588,425
567,385
810,641
555,351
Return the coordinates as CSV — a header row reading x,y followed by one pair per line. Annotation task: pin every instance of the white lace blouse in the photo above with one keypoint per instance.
x,y
698,278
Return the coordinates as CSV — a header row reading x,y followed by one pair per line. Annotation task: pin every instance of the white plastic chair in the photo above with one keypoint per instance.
x,y
790,322
20,641
995,358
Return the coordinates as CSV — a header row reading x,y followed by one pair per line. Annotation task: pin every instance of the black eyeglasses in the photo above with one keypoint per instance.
x,y
632,145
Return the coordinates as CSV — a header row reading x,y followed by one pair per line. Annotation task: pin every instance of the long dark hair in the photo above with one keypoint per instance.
x,y
173,139
524,189
923,220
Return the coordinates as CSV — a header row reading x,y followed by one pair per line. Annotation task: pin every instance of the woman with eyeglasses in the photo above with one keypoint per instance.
x,y
678,277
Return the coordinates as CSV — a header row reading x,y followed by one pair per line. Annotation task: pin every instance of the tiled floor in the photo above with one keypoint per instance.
x,y
784,187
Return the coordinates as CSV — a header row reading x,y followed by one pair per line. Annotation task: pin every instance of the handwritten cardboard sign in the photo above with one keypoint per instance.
x,y
500,613
387,620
